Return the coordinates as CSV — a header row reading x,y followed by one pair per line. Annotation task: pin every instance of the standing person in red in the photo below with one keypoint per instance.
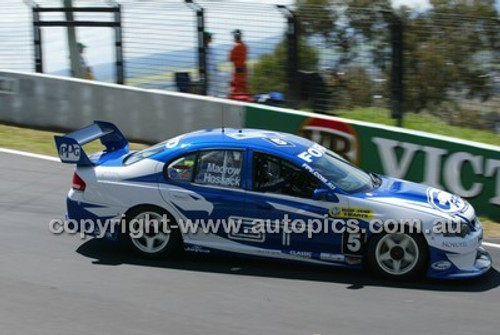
x,y
238,56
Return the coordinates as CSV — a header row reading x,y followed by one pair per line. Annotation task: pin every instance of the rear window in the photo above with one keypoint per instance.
x,y
148,152
140,155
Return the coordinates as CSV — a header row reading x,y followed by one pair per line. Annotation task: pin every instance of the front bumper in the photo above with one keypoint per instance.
x,y
456,266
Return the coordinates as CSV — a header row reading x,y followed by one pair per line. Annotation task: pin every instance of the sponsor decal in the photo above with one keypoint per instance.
x,y
304,254
442,168
273,137
337,136
221,175
271,252
312,153
173,142
331,257
318,175
215,168
350,213
9,85
221,181
196,248
247,230
353,260
70,152
441,265
246,135
447,244
445,202
218,175
173,173
279,142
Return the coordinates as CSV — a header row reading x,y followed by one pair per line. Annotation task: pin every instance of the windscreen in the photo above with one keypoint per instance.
x,y
342,173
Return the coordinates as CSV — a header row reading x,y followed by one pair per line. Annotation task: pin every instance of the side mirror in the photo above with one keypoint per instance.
x,y
324,195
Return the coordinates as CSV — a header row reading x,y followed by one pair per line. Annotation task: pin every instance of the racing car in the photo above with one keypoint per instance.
x,y
249,185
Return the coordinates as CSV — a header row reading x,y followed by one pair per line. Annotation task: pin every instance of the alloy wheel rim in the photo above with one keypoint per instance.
x,y
153,238
397,254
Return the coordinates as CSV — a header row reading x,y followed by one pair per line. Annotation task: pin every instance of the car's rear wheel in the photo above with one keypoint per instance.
x,y
150,232
398,255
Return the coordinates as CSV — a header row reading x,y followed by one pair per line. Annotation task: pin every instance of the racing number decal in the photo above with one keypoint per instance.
x,y
353,244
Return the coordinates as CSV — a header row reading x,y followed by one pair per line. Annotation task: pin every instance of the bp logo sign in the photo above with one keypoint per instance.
x,y
334,135
445,201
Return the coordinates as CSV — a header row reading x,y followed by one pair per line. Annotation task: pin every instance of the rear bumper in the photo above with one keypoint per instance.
x,y
82,217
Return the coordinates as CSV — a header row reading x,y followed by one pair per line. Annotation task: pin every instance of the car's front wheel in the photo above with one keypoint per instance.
x,y
150,232
398,256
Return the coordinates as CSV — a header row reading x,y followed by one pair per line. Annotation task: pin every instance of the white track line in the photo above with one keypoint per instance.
x,y
491,245
55,159
29,154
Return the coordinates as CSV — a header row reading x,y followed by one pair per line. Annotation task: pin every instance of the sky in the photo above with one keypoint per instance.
x,y
167,24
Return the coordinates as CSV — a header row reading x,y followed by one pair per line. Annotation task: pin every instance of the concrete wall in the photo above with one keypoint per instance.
x,y
43,101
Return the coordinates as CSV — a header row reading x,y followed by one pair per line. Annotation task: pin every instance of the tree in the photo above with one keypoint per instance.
x,y
449,49
444,46
353,38
269,73
442,52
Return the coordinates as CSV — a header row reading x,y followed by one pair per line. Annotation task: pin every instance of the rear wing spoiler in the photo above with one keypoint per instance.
x,y
69,146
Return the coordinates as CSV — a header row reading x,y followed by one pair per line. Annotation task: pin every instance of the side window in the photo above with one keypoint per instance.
x,y
182,168
219,168
276,175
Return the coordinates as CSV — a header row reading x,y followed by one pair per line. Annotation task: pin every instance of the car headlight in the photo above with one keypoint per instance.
x,y
477,224
457,229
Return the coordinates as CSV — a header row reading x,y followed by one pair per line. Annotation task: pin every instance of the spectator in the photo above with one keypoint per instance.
x,y
86,70
238,56
212,71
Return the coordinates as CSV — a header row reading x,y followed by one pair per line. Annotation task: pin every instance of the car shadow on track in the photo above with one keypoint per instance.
x,y
111,254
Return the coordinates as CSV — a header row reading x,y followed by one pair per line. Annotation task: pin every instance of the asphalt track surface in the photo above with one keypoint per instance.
x,y
64,285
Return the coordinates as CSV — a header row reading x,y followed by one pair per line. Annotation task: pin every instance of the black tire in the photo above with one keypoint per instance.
x,y
384,253
155,242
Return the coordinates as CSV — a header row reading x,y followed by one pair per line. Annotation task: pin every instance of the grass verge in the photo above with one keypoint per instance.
x,y
40,141
422,122
491,228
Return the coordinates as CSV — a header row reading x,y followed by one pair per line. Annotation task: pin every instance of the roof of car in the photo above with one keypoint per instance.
x,y
268,140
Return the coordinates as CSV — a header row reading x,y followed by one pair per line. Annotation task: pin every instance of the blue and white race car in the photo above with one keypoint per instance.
x,y
267,194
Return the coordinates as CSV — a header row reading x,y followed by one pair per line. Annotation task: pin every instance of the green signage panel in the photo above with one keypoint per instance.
x,y
471,170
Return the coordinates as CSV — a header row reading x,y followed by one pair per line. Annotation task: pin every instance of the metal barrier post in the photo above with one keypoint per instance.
x,y
120,66
116,24
37,40
292,35
397,83
202,51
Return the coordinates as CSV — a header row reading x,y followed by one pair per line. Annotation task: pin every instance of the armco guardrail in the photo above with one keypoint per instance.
x,y
469,169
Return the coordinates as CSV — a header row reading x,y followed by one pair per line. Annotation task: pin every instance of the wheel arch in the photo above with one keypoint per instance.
x,y
146,206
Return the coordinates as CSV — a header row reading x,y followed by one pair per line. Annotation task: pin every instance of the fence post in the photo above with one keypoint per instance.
x,y
202,51
37,40
397,73
119,63
292,36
